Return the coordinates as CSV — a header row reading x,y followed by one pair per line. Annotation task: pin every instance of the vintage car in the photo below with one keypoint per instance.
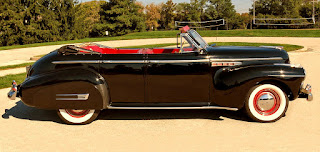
x,y
81,80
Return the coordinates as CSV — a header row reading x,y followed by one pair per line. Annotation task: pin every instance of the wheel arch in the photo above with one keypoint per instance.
x,y
66,81
233,83
283,86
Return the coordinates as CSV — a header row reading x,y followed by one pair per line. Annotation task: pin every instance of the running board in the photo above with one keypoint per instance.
x,y
205,107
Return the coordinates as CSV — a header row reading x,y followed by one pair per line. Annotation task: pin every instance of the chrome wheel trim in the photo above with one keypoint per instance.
x,y
65,113
267,102
270,116
77,113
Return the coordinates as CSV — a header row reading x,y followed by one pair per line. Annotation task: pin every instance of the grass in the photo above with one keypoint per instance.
x,y
151,45
171,34
6,81
287,47
15,66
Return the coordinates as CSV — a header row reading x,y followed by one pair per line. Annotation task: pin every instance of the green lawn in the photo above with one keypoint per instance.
x,y
287,47
171,34
6,81
151,45
15,66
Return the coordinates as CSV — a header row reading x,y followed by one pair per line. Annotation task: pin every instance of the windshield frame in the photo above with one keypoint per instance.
x,y
198,39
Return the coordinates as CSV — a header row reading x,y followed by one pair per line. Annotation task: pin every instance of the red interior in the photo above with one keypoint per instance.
x,y
133,51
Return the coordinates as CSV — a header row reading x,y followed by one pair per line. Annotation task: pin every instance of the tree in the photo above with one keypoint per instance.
x,y
86,16
246,20
152,16
192,11
167,15
120,17
283,8
64,9
11,22
224,9
33,21
306,10
40,22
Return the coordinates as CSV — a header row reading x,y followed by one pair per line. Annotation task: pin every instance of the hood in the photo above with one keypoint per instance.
x,y
246,52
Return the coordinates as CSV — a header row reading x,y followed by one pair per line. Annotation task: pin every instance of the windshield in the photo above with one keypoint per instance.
x,y
198,39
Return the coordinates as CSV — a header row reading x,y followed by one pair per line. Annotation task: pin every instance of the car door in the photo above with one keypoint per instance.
x,y
124,74
177,78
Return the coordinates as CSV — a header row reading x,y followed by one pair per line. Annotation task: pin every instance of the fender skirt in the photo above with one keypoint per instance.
x,y
65,89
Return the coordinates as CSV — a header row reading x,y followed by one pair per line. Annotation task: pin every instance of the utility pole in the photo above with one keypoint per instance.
x,y
254,11
313,12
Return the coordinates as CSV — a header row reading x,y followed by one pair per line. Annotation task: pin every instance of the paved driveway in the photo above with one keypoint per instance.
x,y
27,129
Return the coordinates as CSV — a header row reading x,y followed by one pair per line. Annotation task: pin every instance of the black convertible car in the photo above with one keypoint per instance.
x,y
80,81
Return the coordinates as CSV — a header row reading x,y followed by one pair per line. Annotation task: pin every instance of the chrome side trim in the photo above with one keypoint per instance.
x,y
123,61
165,61
216,64
207,107
130,61
245,59
76,61
287,76
179,61
290,65
273,47
84,96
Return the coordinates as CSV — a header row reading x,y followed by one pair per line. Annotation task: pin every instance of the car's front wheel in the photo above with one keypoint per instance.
x,y
75,116
266,103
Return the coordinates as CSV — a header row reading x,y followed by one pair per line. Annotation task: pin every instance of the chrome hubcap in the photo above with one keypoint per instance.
x,y
77,113
266,101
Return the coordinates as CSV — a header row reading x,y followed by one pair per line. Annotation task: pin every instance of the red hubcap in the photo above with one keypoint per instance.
x,y
266,102
77,113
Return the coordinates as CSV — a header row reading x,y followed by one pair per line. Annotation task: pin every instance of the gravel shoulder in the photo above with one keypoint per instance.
x,y
24,128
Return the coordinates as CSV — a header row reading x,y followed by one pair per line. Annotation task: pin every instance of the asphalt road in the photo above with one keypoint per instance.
x,y
28,129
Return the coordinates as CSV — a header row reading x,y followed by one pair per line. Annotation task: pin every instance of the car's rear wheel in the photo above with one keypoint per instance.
x,y
266,103
75,116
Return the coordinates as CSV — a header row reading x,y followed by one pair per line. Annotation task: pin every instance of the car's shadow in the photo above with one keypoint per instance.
x,y
22,111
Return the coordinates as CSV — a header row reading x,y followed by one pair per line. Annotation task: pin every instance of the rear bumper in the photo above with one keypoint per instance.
x,y
13,93
306,92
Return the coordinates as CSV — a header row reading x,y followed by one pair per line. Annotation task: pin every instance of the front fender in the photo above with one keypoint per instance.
x,y
231,84
41,90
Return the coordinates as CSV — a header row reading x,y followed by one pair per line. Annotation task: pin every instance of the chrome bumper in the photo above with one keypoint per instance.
x,y
12,94
306,92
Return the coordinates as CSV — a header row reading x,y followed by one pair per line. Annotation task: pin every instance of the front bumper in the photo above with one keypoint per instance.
x,y
306,92
12,94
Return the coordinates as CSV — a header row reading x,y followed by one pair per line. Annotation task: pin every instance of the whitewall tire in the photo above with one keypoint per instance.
x,y
73,116
266,103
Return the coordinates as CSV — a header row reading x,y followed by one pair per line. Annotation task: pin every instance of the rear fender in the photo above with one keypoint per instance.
x,y
48,90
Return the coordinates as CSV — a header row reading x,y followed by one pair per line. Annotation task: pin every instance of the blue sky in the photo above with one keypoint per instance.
x,y
241,5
